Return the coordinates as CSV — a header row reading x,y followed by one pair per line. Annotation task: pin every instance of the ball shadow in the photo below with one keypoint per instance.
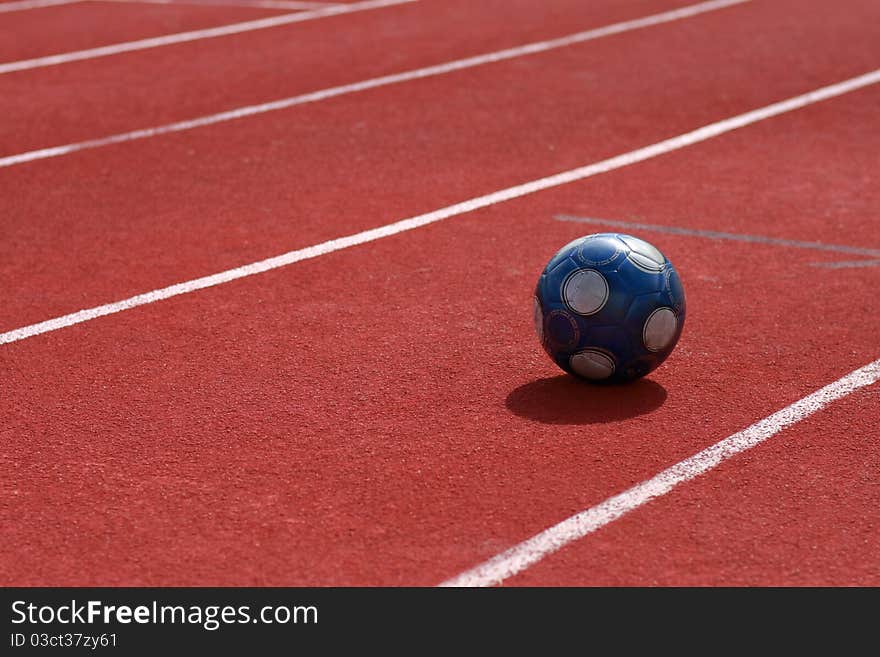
x,y
566,400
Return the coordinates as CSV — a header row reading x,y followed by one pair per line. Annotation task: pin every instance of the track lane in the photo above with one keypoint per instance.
x,y
372,83
868,257
341,422
820,188
167,40
232,455
175,184
137,90
803,512
50,30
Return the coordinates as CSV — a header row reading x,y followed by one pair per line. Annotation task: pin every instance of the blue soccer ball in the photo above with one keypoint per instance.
x,y
609,307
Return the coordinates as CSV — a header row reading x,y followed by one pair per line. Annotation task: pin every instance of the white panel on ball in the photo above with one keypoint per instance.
x,y
538,317
592,364
659,329
585,291
643,255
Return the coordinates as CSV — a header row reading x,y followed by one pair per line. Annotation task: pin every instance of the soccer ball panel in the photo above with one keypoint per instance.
x,y
592,364
538,318
660,329
643,255
565,252
563,332
585,291
675,290
600,249
640,280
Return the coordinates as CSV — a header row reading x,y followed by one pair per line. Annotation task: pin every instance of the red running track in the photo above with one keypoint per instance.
x,y
397,151
375,417
170,83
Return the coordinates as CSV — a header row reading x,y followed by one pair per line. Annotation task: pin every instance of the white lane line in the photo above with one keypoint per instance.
x,y
847,264
195,35
518,558
271,4
718,235
22,5
742,237
324,94
639,155
282,4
